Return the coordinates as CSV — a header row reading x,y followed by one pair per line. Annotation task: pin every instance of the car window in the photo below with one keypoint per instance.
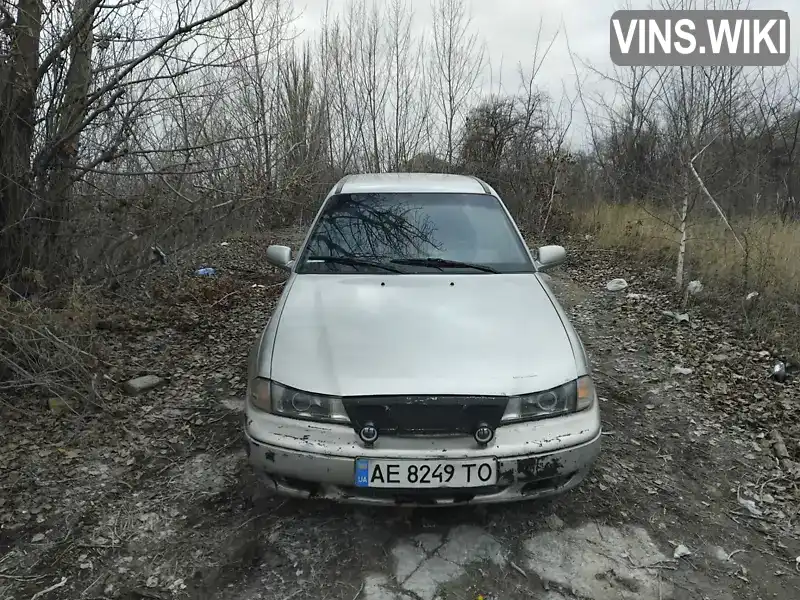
x,y
384,227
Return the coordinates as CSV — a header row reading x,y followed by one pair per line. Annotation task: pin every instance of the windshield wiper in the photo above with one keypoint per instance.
x,y
444,263
345,260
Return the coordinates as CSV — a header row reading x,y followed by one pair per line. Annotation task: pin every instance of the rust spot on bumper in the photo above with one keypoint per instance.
x,y
530,469
539,468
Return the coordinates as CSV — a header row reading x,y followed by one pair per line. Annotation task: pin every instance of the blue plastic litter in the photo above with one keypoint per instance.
x,y
205,271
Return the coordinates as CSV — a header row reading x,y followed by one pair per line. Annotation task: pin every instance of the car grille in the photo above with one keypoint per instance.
x,y
425,415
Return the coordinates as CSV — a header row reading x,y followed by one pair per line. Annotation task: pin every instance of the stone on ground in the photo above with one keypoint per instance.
x,y
599,562
137,385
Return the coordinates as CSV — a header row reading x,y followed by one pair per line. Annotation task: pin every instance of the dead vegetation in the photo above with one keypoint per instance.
x,y
48,352
756,291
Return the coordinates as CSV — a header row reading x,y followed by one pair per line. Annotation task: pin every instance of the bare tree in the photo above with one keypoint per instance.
x,y
457,60
408,105
693,101
345,109
301,135
256,35
42,154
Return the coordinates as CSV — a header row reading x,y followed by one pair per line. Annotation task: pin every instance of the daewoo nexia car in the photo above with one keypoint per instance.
x,y
416,354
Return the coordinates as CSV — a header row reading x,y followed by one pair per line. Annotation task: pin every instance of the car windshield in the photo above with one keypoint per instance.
x,y
414,233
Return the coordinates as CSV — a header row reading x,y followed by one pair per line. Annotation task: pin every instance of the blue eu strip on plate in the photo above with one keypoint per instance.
x,y
362,472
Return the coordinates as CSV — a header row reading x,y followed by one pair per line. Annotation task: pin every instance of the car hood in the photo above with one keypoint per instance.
x,y
353,335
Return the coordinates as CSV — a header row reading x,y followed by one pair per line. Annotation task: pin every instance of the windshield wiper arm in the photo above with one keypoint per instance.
x,y
346,260
444,263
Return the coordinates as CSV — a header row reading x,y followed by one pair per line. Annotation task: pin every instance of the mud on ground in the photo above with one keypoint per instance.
x,y
150,496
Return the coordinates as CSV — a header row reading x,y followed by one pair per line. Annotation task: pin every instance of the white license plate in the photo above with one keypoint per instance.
x,y
399,473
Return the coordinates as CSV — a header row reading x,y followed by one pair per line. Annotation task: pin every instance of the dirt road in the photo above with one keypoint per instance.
x,y
150,497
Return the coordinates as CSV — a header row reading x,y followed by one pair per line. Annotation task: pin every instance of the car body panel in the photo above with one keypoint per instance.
x,y
514,439
330,476
420,334
582,365
260,358
408,183
423,334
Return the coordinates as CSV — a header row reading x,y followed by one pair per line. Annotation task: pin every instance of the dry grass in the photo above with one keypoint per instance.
x,y
47,351
768,264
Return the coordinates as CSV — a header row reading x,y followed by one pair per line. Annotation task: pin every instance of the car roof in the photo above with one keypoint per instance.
x,y
411,183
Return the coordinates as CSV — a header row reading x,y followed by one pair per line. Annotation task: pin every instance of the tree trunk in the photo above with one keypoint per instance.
x,y
59,184
682,231
17,101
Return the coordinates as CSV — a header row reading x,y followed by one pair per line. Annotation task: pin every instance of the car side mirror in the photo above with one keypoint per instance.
x,y
549,257
280,256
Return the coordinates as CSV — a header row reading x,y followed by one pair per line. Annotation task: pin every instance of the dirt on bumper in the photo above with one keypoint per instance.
x,y
313,475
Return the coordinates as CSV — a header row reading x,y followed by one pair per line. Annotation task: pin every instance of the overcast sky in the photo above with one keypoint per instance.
x,y
509,29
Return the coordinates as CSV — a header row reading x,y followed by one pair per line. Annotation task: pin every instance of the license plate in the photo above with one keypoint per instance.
x,y
391,473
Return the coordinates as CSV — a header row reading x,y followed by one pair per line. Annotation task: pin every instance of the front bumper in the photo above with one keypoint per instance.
x,y
317,460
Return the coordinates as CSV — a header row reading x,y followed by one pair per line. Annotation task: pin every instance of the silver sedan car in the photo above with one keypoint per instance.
x,y
417,355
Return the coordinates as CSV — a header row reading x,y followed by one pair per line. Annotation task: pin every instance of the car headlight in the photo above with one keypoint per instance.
x,y
573,396
268,396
